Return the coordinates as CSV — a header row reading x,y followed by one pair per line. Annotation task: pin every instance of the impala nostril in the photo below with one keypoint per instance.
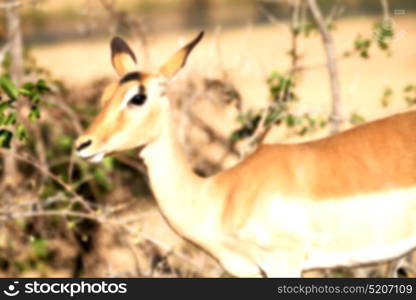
x,y
84,145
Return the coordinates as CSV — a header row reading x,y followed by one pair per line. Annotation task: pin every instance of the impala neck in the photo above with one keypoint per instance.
x,y
176,187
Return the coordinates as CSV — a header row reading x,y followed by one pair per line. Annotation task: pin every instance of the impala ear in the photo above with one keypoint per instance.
x,y
122,57
178,60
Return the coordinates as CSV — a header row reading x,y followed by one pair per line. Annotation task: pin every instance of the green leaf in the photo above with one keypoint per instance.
x,y
383,45
312,122
42,86
25,92
384,33
34,114
65,142
29,86
9,87
290,120
102,178
362,46
5,138
108,163
357,119
10,119
7,61
364,54
386,98
40,248
408,88
70,224
296,30
21,132
303,131
35,97
4,105
236,136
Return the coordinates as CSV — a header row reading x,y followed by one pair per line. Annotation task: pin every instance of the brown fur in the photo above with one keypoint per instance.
x,y
375,157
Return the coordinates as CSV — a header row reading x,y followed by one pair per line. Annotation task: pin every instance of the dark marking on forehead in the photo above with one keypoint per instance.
x,y
142,89
133,76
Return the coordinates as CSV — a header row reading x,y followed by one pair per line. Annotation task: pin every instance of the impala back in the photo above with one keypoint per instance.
x,y
349,198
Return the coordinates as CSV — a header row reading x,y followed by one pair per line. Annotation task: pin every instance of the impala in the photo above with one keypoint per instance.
x,y
345,200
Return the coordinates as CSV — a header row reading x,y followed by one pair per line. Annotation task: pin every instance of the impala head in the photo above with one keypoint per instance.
x,y
131,107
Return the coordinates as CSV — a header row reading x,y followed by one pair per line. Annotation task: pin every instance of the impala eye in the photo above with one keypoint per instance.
x,y
138,99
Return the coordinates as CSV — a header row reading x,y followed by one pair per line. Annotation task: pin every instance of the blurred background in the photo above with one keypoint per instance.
x,y
259,75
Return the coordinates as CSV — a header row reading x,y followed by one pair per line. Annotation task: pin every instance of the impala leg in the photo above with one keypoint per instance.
x,y
282,270
285,272
405,266
239,266
282,264
392,267
268,262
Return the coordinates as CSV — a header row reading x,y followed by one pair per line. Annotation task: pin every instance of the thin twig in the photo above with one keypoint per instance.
x,y
9,5
218,53
31,161
335,117
69,111
11,175
7,216
214,135
262,129
295,33
130,23
272,19
103,219
386,12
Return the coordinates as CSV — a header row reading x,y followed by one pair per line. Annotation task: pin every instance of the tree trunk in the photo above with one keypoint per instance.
x,y
14,40
335,117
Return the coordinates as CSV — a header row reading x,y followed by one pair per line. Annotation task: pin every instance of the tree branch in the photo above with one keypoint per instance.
x,y
386,14
335,117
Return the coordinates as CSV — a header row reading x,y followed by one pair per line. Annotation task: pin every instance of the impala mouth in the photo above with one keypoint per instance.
x,y
94,158
140,150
